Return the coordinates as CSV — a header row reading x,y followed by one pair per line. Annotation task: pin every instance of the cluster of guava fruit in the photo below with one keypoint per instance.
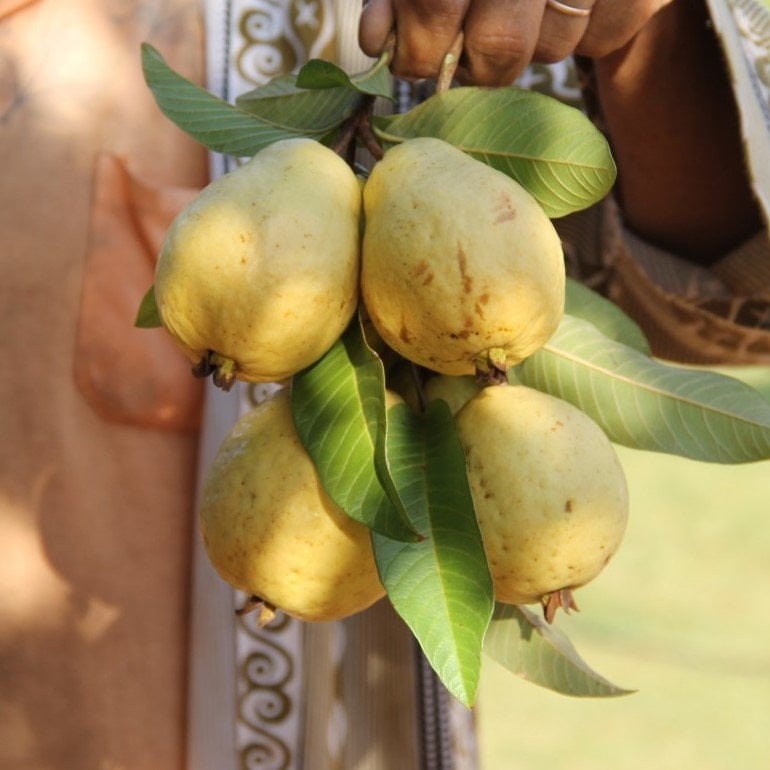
x,y
460,273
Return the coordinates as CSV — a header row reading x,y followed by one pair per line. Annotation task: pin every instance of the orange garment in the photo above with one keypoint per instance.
x,y
97,465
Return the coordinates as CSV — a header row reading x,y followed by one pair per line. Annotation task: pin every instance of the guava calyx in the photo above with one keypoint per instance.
x,y
267,612
491,367
223,370
561,599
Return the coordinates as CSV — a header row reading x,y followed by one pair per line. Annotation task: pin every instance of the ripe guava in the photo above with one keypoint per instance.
x,y
549,492
456,391
258,276
271,530
461,268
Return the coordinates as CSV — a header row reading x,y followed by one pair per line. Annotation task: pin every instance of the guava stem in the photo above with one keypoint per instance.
x,y
449,65
358,125
224,371
563,599
389,48
491,367
348,131
365,132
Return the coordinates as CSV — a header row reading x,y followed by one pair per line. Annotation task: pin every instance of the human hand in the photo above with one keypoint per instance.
x,y
501,37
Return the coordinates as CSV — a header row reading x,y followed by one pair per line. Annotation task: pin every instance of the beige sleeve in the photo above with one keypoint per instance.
x,y
691,314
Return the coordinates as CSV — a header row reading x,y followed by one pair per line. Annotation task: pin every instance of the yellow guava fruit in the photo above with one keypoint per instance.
x,y
461,268
456,391
549,492
258,276
271,530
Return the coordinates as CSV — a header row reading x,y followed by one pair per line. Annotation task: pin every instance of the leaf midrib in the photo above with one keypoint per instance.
x,y
650,388
510,156
440,571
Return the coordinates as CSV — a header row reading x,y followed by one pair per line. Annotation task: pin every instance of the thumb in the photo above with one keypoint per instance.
x,y
377,20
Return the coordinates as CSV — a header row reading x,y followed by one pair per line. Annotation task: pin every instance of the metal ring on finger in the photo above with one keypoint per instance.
x,y
567,10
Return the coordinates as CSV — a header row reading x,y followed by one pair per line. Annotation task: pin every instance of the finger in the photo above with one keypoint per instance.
x,y
374,26
425,31
561,31
612,25
500,38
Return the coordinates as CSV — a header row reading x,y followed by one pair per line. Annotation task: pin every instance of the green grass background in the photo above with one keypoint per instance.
x,y
682,615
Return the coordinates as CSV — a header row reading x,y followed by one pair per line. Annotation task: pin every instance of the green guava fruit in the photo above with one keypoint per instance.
x,y
271,530
462,271
549,492
258,276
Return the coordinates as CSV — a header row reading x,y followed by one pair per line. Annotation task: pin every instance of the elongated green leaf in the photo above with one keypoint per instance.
x,y
553,150
646,404
530,648
213,122
441,586
147,317
281,85
758,377
606,316
311,112
339,411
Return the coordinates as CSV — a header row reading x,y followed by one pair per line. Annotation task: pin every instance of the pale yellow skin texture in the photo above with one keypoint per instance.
x,y
262,267
456,391
271,530
457,259
549,491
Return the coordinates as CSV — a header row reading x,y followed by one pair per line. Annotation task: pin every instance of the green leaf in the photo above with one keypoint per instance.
x,y
526,645
606,316
213,122
320,74
310,112
338,405
551,149
440,586
646,404
147,317
758,377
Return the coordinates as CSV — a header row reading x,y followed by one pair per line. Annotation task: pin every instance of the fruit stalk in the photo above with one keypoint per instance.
x,y
449,65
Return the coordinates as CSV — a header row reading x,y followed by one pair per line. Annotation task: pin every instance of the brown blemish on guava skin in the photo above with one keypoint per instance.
x,y
462,263
404,333
506,209
568,506
479,310
422,268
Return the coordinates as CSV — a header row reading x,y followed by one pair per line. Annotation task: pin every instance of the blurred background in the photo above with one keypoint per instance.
x,y
682,615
